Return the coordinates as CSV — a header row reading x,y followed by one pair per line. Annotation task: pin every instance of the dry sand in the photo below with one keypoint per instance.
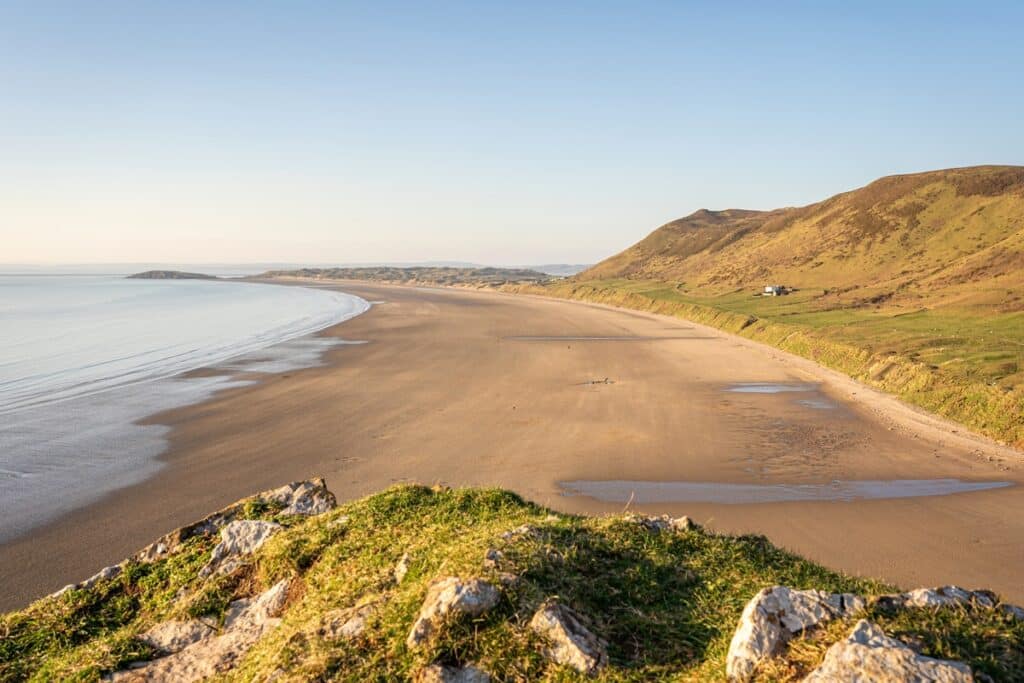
x,y
444,392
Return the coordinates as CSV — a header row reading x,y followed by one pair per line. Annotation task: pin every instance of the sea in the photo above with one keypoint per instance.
x,y
85,357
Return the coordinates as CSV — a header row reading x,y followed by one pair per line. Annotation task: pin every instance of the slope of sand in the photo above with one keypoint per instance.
x,y
487,389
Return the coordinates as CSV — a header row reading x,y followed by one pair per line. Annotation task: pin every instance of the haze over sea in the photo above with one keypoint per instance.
x,y
83,358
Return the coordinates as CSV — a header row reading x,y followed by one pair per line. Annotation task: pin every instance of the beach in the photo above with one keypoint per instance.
x,y
480,388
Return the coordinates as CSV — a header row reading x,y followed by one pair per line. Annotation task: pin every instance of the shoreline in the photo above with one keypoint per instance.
x,y
47,475
442,393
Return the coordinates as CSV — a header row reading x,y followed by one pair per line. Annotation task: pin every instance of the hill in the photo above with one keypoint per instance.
x,y
953,237
170,275
475,585
913,284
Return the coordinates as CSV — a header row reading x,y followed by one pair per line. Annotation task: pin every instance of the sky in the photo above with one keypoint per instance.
x,y
501,133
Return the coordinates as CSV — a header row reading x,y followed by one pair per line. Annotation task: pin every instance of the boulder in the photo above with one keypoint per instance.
x,y
450,597
210,656
302,497
570,643
437,673
867,654
773,616
173,636
237,539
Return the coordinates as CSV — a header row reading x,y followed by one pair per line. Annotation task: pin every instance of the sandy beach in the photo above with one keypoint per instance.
x,y
474,388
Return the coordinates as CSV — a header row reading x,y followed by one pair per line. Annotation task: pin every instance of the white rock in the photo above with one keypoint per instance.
x,y
570,643
237,539
346,624
450,596
868,655
173,636
210,656
946,596
303,497
773,616
436,673
402,568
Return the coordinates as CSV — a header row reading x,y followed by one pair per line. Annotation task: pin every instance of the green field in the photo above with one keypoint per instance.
x,y
957,362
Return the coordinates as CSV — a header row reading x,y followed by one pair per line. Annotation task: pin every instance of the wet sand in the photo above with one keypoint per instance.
x,y
472,388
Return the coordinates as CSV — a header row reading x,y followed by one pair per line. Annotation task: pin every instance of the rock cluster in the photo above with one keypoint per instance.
x,y
309,497
867,654
197,653
773,616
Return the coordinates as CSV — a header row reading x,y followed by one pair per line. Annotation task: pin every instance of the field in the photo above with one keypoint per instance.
x,y
965,364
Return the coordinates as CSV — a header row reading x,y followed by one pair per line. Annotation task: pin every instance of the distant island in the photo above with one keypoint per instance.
x,y
170,275
446,276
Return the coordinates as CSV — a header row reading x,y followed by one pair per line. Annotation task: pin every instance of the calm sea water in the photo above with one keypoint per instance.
x,y
83,358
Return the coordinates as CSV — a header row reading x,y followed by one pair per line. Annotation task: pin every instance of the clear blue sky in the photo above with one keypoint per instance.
x,y
512,132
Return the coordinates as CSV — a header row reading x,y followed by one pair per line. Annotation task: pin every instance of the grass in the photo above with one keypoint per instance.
x,y
666,602
963,364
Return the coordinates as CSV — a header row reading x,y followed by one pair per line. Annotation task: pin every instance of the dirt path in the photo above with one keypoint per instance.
x,y
482,388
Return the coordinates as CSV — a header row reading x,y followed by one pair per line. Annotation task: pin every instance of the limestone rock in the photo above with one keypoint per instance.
x,y
450,596
867,654
436,673
773,616
346,624
570,642
237,539
303,497
173,636
402,568
946,596
212,655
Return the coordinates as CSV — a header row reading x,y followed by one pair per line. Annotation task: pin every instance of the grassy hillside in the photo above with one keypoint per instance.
x,y
914,284
944,238
666,601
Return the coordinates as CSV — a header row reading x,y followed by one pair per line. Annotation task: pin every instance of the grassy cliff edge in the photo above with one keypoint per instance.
x,y
666,600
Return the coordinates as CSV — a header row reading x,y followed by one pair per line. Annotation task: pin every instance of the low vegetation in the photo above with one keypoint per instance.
x,y
666,602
